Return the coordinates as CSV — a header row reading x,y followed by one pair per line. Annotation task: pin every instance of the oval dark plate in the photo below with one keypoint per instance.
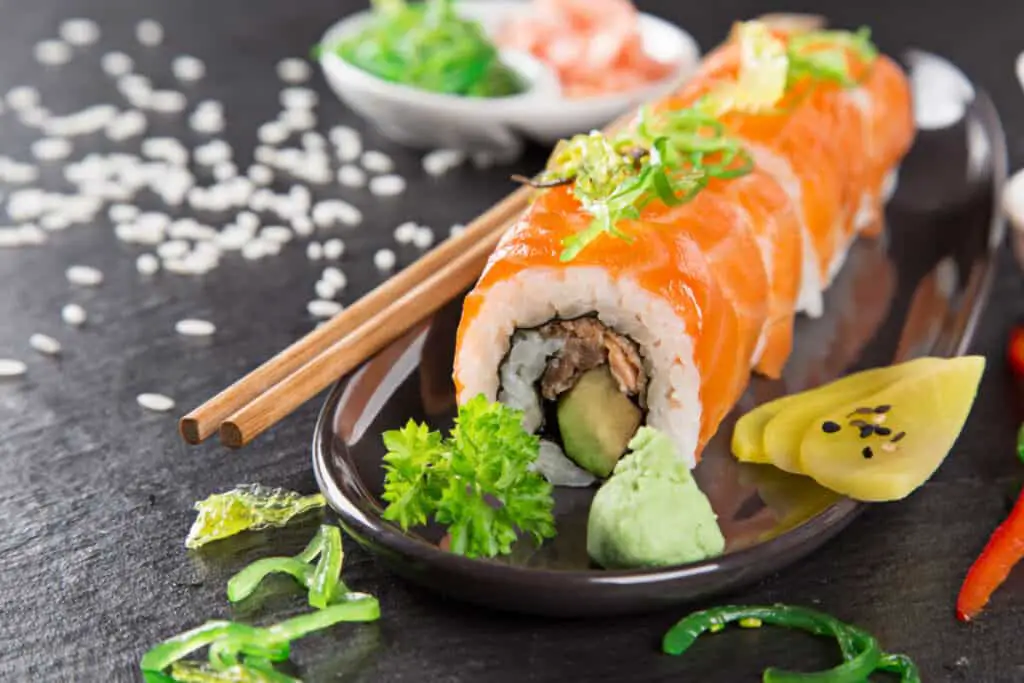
x,y
917,292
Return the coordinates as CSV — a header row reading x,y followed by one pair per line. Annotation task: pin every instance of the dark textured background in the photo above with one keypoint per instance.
x,y
95,493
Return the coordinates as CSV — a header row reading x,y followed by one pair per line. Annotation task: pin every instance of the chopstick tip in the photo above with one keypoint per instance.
x,y
231,435
188,427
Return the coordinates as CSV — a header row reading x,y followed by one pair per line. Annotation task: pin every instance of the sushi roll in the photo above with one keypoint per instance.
x,y
660,319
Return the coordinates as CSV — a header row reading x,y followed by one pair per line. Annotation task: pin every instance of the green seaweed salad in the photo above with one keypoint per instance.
x,y
428,46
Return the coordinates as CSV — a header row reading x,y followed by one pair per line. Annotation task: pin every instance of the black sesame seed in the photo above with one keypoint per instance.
x,y
866,431
898,437
882,409
864,411
883,431
867,452
829,427
858,423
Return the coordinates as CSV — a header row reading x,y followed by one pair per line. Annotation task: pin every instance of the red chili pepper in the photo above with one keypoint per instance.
x,y
1004,549
1015,350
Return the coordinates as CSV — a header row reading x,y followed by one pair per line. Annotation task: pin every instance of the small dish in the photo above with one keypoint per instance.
x,y
919,291
422,119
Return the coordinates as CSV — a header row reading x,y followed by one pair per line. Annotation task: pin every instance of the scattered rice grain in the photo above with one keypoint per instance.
x,y
334,249
149,32
351,175
440,161
324,289
293,70
155,402
192,327
334,276
321,308
12,368
384,259
52,52
44,344
147,264
188,68
387,185
73,314
377,162
85,276
314,251
423,238
79,31
51,149
117,64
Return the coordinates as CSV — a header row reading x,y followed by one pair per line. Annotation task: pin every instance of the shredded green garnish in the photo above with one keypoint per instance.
x,y
671,156
239,653
245,508
822,55
429,46
477,482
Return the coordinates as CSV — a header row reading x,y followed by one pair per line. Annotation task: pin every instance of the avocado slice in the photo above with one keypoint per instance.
x,y
596,421
913,427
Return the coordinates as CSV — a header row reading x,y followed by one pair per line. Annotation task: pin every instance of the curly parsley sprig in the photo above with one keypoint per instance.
x,y
478,481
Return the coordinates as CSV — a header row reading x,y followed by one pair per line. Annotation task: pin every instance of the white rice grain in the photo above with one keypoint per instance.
x,y
122,213
44,344
149,32
22,97
260,175
192,327
456,230
51,149
334,249
52,52
298,98
377,162
128,124
155,402
277,234
298,120
84,276
187,68
224,170
314,251
350,175
348,144
293,70
10,367
423,238
440,161
387,185
335,277
324,290
406,232
168,101
321,308
272,133
173,249
147,264
384,259
74,315
117,64
79,32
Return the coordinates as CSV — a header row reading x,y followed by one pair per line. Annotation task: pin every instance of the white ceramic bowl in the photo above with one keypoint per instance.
x,y
426,120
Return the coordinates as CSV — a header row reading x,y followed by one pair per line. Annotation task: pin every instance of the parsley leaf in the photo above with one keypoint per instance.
x,y
478,482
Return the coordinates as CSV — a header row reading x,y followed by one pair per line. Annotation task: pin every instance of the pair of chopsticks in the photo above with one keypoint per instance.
x,y
275,389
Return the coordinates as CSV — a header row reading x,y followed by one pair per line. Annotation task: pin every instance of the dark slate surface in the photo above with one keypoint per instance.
x,y
95,494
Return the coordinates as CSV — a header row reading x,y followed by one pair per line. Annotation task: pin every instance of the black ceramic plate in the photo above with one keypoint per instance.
x,y
918,291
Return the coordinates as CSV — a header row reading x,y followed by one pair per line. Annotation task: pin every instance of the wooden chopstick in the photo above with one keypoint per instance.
x,y
346,354
206,419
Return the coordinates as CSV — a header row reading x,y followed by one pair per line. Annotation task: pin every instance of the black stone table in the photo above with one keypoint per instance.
x,y
95,493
